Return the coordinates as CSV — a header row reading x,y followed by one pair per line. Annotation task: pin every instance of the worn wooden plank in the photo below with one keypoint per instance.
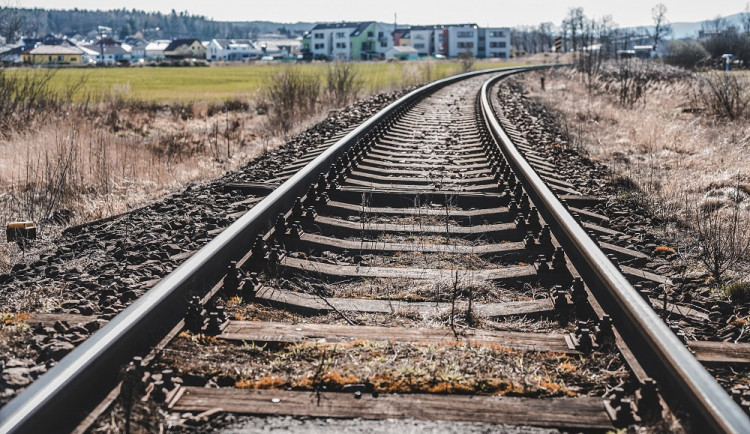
x,y
320,243
433,172
676,309
512,273
720,352
600,229
638,275
312,304
419,145
622,252
254,188
51,318
454,187
347,209
580,201
424,165
590,215
507,231
571,413
258,331
435,160
426,178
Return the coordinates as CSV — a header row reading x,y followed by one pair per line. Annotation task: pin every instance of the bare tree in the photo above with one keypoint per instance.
x,y
573,24
716,25
546,39
661,25
11,21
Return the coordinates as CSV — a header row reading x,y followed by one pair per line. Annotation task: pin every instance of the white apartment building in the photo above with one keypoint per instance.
x,y
348,41
494,42
422,39
232,50
461,39
456,39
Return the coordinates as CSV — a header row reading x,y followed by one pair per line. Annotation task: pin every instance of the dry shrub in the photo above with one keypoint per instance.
x,y
721,234
342,82
721,96
291,95
24,97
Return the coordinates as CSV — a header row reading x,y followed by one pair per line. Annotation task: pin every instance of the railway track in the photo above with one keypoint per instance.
x,y
432,264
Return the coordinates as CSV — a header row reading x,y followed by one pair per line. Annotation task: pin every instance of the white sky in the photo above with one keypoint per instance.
x,y
507,13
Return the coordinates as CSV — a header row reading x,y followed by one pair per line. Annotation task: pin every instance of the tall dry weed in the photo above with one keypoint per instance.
x,y
722,96
291,95
670,160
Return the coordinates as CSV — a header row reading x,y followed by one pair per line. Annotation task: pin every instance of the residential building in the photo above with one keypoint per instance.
x,y
53,55
348,41
110,52
422,39
12,54
494,42
461,39
455,39
284,46
402,52
155,49
232,50
137,47
189,48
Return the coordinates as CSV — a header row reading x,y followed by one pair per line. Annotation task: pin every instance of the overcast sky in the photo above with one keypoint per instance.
x,y
508,13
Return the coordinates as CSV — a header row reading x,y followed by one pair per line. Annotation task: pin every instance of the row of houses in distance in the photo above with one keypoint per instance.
x,y
52,50
370,40
367,40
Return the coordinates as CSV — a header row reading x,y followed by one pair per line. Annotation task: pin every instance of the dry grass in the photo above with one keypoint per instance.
x,y
453,367
678,159
93,163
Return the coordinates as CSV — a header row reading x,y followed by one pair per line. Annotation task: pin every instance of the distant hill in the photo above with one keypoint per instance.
x,y
683,30
690,30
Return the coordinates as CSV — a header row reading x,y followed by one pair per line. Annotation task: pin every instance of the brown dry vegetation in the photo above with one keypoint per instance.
x,y
66,160
672,153
453,367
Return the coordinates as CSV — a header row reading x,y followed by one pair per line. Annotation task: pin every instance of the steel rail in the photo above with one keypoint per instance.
x,y
62,397
682,378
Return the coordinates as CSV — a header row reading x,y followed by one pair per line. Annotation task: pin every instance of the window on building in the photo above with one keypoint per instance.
x,y
465,34
384,44
380,34
340,44
465,45
419,46
340,34
497,34
319,46
318,36
370,34
497,44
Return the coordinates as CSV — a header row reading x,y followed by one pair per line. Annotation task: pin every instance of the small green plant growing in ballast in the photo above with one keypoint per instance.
x,y
737,291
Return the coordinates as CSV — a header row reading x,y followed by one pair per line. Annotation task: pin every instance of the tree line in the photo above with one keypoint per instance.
x,y
16,22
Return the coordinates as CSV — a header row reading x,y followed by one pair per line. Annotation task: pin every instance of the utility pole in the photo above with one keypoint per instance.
x,y
728,60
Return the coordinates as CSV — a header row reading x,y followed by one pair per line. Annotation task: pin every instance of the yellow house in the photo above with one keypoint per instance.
x,y
53,55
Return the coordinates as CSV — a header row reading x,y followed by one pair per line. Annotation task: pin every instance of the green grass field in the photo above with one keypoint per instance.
x,y
165,84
